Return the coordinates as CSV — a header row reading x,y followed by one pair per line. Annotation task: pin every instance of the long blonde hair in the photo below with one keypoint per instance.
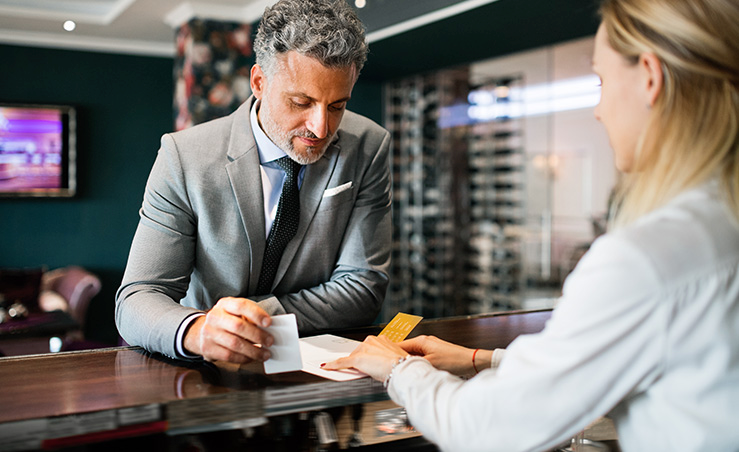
x,y
692,135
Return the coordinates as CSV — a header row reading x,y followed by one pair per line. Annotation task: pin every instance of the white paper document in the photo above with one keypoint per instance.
x,y
286,349
324,348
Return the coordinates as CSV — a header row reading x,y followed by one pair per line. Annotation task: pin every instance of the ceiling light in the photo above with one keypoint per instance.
x,y
69,25
360,3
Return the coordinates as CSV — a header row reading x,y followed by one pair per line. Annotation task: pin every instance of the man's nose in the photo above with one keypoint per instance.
x,y
317,122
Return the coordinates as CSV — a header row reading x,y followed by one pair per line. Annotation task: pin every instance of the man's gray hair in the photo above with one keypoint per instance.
x,y
327,30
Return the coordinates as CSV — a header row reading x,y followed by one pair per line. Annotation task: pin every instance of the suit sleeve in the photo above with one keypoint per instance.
x,y
161,259
355,292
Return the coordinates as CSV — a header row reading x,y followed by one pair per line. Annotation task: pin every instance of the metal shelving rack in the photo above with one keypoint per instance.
x,y
457,197
497,174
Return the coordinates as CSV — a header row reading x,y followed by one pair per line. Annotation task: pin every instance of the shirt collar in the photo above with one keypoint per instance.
x,y
268,151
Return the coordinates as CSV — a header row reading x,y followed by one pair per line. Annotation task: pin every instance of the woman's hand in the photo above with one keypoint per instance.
x,y
447,356
375,357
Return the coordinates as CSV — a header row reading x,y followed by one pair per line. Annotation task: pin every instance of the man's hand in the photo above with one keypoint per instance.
x,y
447,356
230,332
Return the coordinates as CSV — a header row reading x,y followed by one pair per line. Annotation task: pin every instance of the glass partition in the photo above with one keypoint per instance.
x,y
501,179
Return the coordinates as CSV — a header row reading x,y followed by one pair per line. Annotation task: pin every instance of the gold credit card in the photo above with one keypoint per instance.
x,y
400,326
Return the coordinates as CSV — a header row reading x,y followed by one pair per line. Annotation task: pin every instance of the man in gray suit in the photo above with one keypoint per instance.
x,y
192,283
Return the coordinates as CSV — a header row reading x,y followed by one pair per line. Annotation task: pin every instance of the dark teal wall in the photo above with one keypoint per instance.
x,y
367,99
124,104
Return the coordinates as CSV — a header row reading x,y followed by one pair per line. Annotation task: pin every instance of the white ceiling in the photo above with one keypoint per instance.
x,y
147,27
125,26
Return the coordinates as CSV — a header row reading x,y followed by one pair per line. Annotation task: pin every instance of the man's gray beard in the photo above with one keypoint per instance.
x,y
312,155
283,140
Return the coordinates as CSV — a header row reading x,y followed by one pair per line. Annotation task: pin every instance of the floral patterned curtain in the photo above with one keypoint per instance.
x,y
211,70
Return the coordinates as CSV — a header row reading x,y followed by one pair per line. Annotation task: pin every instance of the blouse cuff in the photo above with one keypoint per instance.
x,y
407,373
497,357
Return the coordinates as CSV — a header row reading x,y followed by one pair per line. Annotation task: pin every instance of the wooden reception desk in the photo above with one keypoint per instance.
x,y
104,397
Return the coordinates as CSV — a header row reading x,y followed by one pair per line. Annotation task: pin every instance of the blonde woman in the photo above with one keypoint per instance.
x,y
647,329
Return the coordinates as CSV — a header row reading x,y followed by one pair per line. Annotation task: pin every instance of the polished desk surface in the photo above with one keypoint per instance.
x,y
125,385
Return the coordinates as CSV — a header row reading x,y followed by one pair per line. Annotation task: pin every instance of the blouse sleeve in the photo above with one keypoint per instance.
x,y
602,342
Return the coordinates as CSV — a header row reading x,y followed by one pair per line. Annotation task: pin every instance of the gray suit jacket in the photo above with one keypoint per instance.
x,y
201,234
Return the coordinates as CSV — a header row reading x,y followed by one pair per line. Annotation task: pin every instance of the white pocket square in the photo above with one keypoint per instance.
x,y
336,190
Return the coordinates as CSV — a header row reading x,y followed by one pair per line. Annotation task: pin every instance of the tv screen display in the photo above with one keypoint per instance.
x,y
37,150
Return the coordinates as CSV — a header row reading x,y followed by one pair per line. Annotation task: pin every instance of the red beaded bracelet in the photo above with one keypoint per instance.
x,y
473,360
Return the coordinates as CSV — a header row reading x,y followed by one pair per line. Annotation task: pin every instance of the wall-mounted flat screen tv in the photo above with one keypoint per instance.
x,y
37,150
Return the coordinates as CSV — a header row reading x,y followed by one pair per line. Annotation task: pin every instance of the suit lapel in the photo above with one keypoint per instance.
x,y
315,182
245,176
246,182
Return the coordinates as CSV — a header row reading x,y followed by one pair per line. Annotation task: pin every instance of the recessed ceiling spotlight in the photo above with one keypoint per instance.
x,y
360,3
69,25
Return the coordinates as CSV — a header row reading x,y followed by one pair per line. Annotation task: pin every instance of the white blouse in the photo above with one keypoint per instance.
x,y
646,331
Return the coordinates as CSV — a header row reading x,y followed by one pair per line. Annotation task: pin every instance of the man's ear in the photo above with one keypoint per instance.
x,y
653,76
257,81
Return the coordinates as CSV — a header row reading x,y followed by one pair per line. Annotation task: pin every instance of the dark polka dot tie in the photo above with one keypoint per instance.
x,y
284,226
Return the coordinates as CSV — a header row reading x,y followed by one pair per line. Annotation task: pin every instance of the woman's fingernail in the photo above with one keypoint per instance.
x,y
323,364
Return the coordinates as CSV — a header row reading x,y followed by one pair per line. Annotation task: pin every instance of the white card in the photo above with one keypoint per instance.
x,y
286,348
324,348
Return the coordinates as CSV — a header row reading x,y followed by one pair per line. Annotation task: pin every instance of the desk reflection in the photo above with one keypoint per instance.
x,y
163,378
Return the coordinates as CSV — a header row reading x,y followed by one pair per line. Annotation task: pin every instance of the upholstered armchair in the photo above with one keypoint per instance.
x,y
69,289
